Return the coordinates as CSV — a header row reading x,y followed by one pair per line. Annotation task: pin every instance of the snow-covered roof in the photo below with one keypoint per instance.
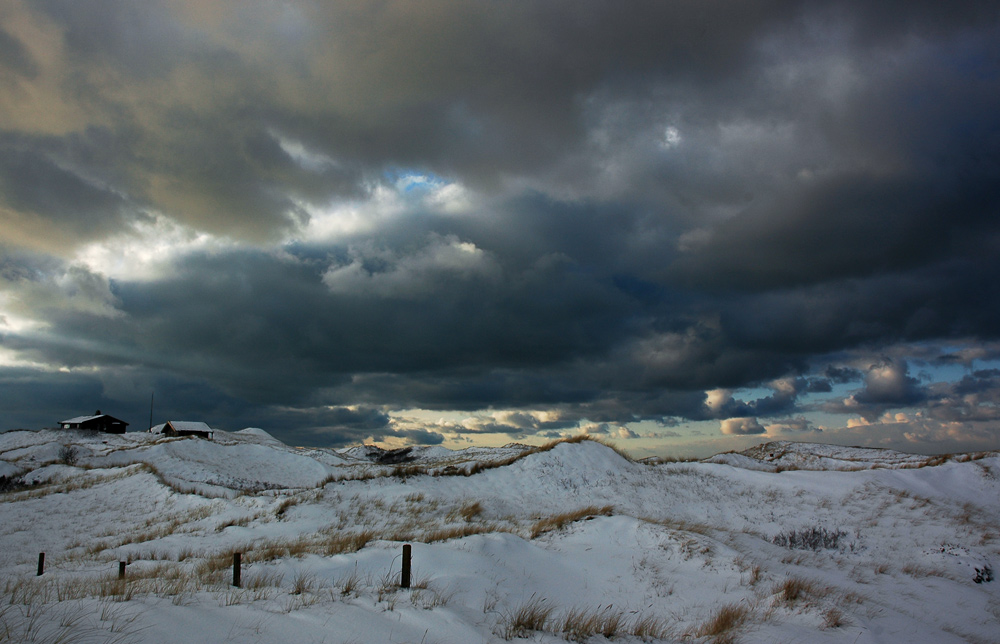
x,y
84,419
189,426
81,419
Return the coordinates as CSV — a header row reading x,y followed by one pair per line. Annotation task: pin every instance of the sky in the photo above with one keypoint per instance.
x,y
686,226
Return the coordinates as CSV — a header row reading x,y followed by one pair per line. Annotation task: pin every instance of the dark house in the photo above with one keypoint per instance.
x,y
98,422
187,428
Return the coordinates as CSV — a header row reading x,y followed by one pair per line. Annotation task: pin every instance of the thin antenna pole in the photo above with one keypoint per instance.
x,y
151,410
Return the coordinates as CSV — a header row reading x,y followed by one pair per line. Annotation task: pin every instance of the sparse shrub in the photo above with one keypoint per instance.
x,y
983,574
389,456
68,455
815,538
12,484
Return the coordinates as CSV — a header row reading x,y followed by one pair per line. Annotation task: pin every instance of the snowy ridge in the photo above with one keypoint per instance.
x,y
777,456
906,546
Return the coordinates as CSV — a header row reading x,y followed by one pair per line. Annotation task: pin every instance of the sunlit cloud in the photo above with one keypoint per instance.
x,y
741,426
307,158
149,249
671,137
412,276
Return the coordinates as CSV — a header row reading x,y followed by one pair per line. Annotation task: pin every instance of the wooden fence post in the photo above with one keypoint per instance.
x,y
41,563
404,581
121,570
236,568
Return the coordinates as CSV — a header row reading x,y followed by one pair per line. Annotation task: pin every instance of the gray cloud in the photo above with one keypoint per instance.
x,y
646,204
792,426
15,58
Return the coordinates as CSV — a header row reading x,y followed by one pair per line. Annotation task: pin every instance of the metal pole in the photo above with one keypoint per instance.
x,y
41,563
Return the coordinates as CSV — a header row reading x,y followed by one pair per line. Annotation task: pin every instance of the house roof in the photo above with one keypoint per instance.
x,y
83,419
80,419
189,426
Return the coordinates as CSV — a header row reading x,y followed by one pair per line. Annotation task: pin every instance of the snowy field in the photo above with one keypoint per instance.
x,y
783,543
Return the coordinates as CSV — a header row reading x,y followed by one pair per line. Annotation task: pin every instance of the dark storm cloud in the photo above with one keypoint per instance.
x,y
320,425
15,57
781,401
30,399
240,317
887,385
662,199
478,91
842,375
975,399
59,199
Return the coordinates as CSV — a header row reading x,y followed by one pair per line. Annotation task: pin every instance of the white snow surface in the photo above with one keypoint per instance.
x,y
909,542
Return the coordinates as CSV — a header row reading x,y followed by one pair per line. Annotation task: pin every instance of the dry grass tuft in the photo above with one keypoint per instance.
x,y
580,625
83,481
577,624
560,520
467,512
833,617
721,625
259,579
533,615
457,532
350,583
794,589
66,623
650,628
285,505
351,542
916,570
304,582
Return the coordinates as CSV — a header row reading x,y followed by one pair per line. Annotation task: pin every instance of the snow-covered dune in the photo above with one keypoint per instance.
x,y
785,542
778,456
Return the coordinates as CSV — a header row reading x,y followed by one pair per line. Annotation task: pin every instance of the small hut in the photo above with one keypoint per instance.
x,y
98,422
187,428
